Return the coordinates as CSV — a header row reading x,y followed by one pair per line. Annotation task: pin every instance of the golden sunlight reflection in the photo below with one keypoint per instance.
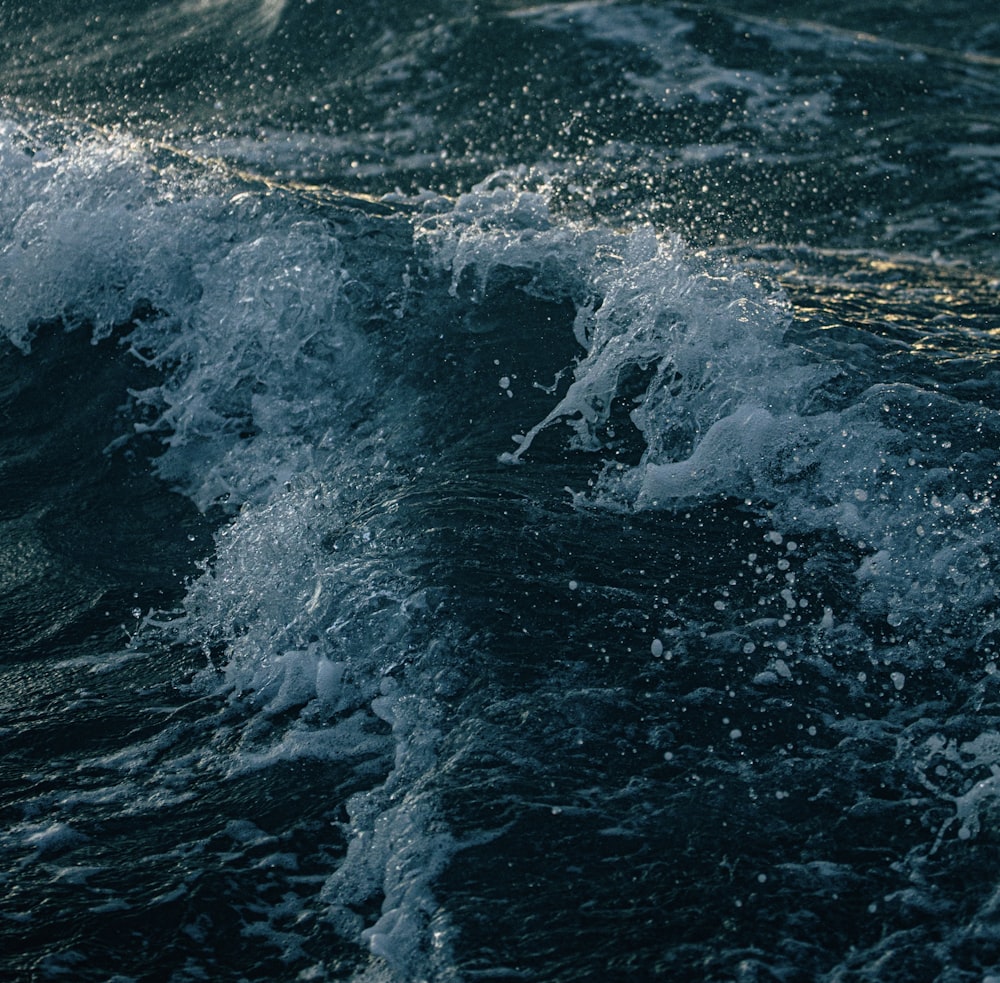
x,y
948,309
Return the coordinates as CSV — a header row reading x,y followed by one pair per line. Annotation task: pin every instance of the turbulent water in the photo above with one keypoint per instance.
x,y
499,492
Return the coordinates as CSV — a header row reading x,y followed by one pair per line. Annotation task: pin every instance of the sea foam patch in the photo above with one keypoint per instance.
x,y
232,295
694,354
268,406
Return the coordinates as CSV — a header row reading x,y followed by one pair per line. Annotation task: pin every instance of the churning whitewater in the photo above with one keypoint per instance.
x,y
527,517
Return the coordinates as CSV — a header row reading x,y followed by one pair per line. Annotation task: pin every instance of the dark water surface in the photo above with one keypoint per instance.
x,y
499,492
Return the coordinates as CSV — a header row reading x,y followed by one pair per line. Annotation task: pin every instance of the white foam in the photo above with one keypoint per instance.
x,y
247,298
52,838
976,762
307,610
307,604
727,409
643,304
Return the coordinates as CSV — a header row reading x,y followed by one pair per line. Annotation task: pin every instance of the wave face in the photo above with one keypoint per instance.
x,y
529,518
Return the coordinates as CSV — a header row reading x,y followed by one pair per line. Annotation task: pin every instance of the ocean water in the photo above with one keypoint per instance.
x,y
494,491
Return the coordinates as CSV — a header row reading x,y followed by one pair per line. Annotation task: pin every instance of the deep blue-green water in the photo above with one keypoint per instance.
x,y
499,492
